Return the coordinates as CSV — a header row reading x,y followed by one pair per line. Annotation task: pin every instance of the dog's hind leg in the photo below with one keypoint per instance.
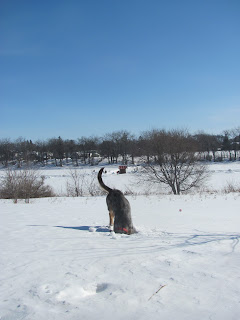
x,y
111,218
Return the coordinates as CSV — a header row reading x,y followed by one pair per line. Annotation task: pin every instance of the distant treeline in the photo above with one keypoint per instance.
x,y
118,146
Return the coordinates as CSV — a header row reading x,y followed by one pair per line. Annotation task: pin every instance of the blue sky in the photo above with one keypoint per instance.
x,y
88,67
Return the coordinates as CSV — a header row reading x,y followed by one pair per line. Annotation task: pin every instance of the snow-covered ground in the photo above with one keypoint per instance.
x,y
59,261
220,176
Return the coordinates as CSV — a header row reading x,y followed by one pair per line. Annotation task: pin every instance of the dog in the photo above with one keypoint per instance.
x,y
119,209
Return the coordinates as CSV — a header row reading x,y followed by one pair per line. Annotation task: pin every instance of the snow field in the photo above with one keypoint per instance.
x,y
54,267
220,175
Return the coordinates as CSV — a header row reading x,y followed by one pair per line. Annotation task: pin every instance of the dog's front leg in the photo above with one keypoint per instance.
x,y
111,218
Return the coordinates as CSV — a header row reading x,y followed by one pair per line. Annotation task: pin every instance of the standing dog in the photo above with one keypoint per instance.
x,y
119,209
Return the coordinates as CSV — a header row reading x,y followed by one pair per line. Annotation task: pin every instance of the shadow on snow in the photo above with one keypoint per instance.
x,y
164,240
86,228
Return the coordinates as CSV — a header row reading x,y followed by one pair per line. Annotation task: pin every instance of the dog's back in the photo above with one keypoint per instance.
x,y
117,203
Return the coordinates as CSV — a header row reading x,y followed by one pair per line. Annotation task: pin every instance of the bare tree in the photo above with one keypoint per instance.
x,y
226,144
93,187
75,183
111,146
6,151
70,148
115,144
106,147
88,148
208,144
82,184
57,147
42,151
133,148
173,161
125,144
235,135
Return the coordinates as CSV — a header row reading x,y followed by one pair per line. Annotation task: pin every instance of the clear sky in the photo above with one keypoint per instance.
x,y
88,67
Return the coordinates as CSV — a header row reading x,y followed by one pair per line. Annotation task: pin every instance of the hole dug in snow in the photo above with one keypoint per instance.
x,y
101,287
73,294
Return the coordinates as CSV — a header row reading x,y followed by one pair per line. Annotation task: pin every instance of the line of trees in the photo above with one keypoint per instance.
x,y
118,146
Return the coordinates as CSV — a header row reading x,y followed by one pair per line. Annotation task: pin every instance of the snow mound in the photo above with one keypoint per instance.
x,y
73,294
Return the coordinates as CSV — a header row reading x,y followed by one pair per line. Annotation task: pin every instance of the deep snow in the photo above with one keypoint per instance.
x,y
58,260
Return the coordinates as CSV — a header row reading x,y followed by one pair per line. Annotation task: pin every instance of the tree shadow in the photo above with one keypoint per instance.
x,y
184,240
199,239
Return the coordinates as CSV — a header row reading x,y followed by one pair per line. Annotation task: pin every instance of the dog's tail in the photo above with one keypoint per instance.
x,y
101,182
